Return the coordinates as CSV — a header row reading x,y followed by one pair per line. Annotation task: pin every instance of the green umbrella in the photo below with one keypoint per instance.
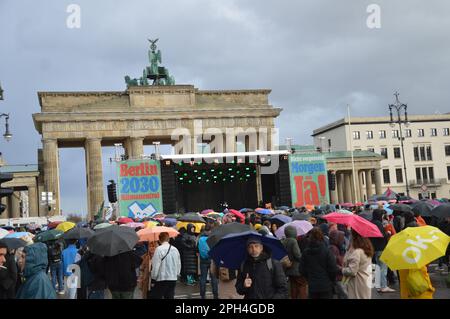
x,y
102,225
48,235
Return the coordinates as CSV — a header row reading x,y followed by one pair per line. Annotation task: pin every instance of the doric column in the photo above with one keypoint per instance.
x,y
33,202
51,173
6,213
333,193
128,149
347,188
378,189
361,186
137,147
93,150
340,184
15,205
368,183
353,196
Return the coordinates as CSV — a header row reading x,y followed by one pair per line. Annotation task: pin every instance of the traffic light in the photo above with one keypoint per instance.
x,y
112,193
5,192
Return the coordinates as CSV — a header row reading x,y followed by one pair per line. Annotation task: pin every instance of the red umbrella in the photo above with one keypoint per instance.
x,y
53,225
359,204
360,225
125,220
238,214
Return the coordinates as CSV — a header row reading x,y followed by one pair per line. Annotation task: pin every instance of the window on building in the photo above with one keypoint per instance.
x,y
382,134
446,132
329,145
422,153
448,173
418,175
397,152
429,155
420,132
399,175
394,133
383,152
416,154
369,135
371,149
447,150
408,132
356,135
424,175
434,132
386,177
431,174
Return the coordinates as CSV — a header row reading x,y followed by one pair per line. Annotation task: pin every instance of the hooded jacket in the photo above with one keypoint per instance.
x,y
188,245
266,284
291,245
379,243
8,278
37,284
337,242
318,266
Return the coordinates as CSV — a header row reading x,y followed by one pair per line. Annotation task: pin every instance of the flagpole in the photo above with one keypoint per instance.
x,y
351,145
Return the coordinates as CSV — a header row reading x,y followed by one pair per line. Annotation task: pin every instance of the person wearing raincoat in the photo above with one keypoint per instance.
x,y
406,293
33,261
189,255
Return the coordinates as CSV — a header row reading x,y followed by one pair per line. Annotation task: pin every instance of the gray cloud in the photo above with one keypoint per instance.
x,y
316,56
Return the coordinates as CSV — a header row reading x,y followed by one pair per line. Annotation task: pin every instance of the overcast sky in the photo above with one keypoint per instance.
x,y
316,56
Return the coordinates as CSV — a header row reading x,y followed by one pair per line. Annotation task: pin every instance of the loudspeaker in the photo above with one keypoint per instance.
x,y
169,188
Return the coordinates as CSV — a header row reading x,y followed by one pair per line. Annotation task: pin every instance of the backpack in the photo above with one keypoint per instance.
x,y
203,248
54,253
416,283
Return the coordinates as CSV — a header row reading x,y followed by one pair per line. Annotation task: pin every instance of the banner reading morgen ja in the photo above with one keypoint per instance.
x,y
309,180
139,190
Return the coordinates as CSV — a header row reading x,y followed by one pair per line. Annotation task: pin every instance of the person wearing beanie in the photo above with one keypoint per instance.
x,y
260,276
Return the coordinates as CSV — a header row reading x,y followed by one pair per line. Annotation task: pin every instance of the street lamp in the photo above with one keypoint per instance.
x,y
1,92
7,134
399,107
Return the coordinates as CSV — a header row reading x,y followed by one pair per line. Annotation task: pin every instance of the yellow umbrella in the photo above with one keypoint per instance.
x,y
150,224
198,226
152,234
65,226
415,247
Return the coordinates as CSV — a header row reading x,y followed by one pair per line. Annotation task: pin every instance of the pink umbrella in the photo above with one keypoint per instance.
x,y
360,225
347,205
125,220
206,211
238,214
134,225
302,227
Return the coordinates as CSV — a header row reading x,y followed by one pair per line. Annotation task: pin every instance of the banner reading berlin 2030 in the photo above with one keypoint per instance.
x,y
309,180
139,188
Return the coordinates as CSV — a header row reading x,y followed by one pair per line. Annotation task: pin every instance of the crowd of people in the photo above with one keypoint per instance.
x,y
329,261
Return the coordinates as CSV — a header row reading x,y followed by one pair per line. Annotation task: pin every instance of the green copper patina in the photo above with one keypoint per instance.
x,y
159,75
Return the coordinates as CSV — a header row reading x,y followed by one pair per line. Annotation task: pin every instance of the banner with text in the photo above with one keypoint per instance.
x,y
139,190
309,179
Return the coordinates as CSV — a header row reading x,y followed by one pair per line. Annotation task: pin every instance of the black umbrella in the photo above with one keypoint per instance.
x,y
193,218
79,233
422,208
112,241
48,235
222,230
400,208
441,211
301,216
366,214
14,243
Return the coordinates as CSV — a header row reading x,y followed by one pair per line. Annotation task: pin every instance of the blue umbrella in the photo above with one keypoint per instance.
x,y
284,208
387,209
231,250
18,235
264,212
169,221
244,210
281,218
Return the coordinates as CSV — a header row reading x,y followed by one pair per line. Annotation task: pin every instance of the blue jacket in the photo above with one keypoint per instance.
x,y
68,258
37,284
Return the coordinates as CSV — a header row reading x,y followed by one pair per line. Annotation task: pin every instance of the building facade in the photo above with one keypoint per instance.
x,y
426,140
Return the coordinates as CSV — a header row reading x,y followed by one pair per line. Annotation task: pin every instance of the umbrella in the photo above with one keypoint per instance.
x,y
442,211
231,250
284,208
344,211
206,211
225,229
263,211
422,208
443,200
302,227
366,214
347,205
301,216
238,214
125,220
169,221
8,228
102,226
415,247
82,224
359,204
112,241
152,234
198,226
400,208
387,209
78,233
14,243
53,225
360,225
133,225
309,207
20,235
65,226
280,220
192,217
150,223
3,233
49,235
